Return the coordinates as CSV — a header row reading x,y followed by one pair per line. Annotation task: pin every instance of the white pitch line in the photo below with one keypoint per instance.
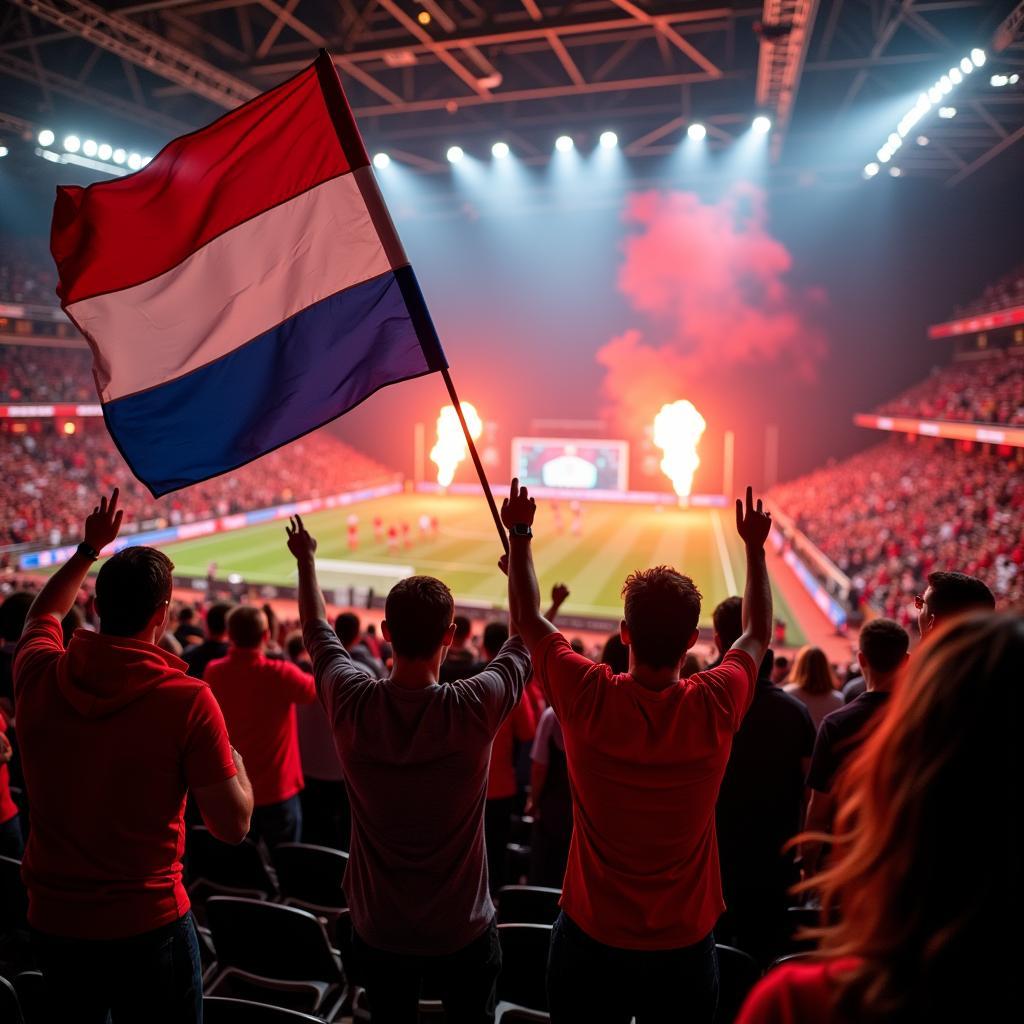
x,y
723,552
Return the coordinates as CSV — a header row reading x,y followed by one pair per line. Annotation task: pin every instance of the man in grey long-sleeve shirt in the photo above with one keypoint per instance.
x,y
415,755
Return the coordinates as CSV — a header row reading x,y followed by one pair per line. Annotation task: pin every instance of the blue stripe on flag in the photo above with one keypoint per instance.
x,y
288,381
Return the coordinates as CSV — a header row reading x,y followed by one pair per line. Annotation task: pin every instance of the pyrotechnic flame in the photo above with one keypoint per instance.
x,y
450,448
677,432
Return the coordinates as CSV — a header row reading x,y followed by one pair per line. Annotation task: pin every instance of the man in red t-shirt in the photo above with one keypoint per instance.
x,y
646,752
113,736
258,696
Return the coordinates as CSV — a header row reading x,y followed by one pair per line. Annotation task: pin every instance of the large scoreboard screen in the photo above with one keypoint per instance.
x,y
571,464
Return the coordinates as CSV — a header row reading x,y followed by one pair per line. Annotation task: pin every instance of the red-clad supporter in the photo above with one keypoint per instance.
x,y
113,735
12,842
502,788
989,390
646,752
258,696
910,934
27,273
51,475
415,755
34,373
895,513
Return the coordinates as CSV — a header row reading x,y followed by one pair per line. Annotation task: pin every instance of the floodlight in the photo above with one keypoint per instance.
x,y
381,160
966,66
923,140
3,152
89,148
72,143
134,161
106,151
761,124
895,172
945,85
947,112
564,143
500,150
697,131
46,137
608,140
870,170
954,76
978,57
120,156
455,154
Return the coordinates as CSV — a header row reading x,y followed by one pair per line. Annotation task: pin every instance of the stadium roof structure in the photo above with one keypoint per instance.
x,y
424,74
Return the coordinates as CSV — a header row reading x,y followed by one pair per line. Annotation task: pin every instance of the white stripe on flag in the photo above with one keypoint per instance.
x,y
237,286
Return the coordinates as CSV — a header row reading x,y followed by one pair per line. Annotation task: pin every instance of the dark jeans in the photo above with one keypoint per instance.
x,y
278,823
464,981
589,981
154,978
12,842
497,830
326,816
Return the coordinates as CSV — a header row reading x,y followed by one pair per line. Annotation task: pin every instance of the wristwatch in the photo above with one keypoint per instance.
x,y
89,551
520,530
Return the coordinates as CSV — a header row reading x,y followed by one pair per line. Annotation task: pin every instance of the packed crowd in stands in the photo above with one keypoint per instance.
x,y
989,390
1006,292
52,478
890,515
27,273
44,374
399,785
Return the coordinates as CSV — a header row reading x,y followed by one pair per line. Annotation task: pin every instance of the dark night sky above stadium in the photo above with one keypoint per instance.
x,y
798,307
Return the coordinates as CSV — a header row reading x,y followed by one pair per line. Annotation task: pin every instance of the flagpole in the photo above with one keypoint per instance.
x,y
476,458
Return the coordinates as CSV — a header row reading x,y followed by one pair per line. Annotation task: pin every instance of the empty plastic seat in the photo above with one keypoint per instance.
x,y
276,954
218,1010
528,904
10,1008
524,954
738,972
310,876
221,868
32,997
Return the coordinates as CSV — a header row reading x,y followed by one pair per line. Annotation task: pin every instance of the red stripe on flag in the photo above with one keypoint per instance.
x,y
115,234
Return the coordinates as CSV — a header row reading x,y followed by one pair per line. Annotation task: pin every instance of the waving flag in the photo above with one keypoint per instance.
x,y
244,288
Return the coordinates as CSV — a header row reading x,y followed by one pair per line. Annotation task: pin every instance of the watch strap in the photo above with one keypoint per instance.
x,y
88,551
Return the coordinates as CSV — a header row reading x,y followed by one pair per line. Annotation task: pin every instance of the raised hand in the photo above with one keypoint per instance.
x,y
518,507
301,543
102,526
559,593
753,524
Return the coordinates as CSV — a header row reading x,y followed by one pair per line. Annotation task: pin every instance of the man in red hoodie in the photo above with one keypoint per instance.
x,y
258,696
113,736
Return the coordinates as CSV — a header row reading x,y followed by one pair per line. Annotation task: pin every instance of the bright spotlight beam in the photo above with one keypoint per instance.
x,y
697,131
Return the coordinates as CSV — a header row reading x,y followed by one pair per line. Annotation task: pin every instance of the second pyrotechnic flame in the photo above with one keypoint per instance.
x,y
451,448
678,428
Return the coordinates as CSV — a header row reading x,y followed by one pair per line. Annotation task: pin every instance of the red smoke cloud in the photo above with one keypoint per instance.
x,y
712,282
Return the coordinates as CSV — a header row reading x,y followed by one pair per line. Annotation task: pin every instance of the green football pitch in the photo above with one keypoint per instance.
x,y
614,539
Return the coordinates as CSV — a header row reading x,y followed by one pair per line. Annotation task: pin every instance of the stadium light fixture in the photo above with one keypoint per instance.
x,y
3,152
608,140
455,154
134,161
381,160
424,18
90,148
870,170
928,99
46,137
564,143
697,131
105,151
761,124
119,156
500,150
72,143
895,172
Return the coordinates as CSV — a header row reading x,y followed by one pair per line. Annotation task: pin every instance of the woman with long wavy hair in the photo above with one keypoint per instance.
x,y
813,684
926,876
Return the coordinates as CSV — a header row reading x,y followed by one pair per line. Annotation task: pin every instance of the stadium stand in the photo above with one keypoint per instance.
x,y
890,515
27,273
53,477
1004,293
989,390
35,373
